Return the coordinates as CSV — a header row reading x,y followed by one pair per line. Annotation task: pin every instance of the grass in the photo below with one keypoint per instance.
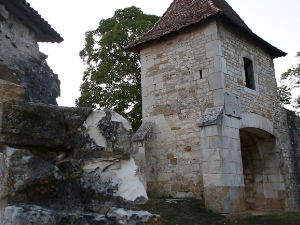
x,y
193,212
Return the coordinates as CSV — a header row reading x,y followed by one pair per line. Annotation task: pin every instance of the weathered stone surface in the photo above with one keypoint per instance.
x,y
211,116
59,165
104,134
9,91
40,83
232,106
109,130
32,214
38,124
113,178
22,63
23,173
141,133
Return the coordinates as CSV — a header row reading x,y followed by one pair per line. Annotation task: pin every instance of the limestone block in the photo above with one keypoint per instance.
x,y
269,191
110,131
211,29
218,97
209,155
212,48
11,75
224,142
233,106
204,143
211,167
22,172
142,131
217,65
228,167
212,180
211,116
113,177
163,177
225,199
159,86
9,91
209,131
234,180
25,123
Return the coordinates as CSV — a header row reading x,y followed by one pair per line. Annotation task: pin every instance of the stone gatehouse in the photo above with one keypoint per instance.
x,y
213,127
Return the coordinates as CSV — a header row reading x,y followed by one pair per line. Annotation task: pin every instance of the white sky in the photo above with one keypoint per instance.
x,y
276,21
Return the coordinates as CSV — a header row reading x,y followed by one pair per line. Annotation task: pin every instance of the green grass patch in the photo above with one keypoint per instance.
x,y
193,212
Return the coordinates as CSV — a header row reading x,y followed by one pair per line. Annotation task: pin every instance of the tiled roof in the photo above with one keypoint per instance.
x,y
23,10
183,13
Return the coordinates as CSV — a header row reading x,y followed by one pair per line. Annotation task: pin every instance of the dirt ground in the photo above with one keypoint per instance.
x,y
193,212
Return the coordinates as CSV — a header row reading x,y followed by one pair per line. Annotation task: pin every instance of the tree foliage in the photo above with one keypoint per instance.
x,y
291,80
112,79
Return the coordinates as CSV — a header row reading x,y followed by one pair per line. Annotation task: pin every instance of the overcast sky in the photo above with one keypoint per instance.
x,y
276,21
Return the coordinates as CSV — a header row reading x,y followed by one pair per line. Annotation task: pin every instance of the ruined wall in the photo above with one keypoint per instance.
x,y
287,127
61,165
179,81
24,73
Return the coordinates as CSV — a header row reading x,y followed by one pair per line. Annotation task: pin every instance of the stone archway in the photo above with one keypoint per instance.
x,y
263,181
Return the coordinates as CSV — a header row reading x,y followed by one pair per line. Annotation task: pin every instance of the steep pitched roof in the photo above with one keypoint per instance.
x,y
43,30
183,13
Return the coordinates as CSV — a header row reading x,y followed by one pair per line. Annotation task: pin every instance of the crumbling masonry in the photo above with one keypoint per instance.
x,y
212,124
58,165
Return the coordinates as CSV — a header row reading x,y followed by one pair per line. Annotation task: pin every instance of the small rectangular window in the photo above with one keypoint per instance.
x,y
249,74
201,75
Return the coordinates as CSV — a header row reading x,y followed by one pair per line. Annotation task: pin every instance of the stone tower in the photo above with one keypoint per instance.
x,y
212,125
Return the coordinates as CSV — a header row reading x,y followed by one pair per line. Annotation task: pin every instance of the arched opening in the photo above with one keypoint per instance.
x,y
263,181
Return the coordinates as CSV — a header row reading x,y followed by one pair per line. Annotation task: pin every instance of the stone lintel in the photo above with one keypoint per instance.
x,y
212,116
141,133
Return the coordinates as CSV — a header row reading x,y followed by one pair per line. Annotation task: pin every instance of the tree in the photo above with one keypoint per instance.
x,y
112,79
291,78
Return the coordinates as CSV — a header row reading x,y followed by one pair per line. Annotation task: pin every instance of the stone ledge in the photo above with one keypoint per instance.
x,y
140,135
212,116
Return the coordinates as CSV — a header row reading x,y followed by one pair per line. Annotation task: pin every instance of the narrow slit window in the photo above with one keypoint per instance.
x,y
249,74
201,76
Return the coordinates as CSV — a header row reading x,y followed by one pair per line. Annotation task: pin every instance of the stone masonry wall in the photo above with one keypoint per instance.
x,y
190,71
24,73
175,94
287,128
263,102
234,47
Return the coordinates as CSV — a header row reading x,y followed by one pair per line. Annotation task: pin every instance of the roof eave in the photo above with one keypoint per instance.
x,y
275,52
44,32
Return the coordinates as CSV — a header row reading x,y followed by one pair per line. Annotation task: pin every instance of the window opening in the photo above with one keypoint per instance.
x,y
249,74
201,76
